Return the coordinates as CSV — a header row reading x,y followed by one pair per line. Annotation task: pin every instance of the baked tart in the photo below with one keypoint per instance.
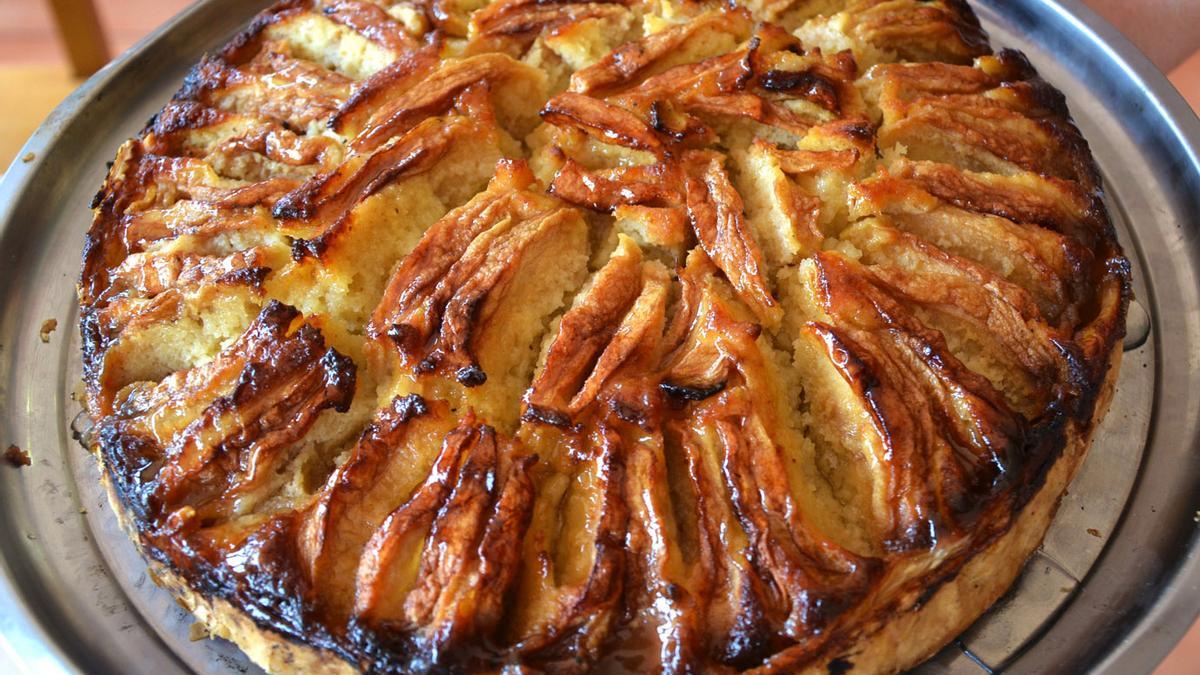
x,y
633,335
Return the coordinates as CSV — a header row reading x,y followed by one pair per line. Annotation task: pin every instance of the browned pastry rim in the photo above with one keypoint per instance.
x,y
895,644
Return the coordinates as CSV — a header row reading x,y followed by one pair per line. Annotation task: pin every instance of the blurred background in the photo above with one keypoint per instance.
x,y
38,68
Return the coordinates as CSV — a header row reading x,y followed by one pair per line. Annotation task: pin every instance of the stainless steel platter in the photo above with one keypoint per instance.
x,y
1112,588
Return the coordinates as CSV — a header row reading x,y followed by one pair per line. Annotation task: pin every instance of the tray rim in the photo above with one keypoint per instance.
x,y
1142,644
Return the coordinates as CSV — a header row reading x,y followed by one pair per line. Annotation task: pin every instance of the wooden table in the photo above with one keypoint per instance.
x,y
27,95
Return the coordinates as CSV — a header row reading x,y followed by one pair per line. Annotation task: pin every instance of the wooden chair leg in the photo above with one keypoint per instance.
x,y
82,35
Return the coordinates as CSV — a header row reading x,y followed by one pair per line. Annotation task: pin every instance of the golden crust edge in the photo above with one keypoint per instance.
x,y
902,643
921,633
268,649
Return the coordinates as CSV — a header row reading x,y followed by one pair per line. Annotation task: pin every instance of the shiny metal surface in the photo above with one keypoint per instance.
x,y
1114,585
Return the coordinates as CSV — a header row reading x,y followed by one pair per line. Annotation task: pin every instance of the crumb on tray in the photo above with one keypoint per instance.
x,y
48,327
16,456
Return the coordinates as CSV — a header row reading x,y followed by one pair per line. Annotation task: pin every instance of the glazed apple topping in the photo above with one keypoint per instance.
x,y
615,336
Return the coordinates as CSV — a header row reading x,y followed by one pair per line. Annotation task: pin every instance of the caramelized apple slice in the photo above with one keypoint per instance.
x,y
763,577
1062,207
712,33
607,189
401,103
995,325
324,202
513,25
471,300
716,589
730,593
661,557
603,353
977,134
402,75
272,84
386,573
146,181
147,275
810,580
1007,122
1040,261
767,87
770,81
713,208
168,197
507,197
351,228
149,198
737,410
881,31
716,214
909,438
795,198
214,435
334,40
393,455
154,298
373,22
620,311
212,227
435,574
239,146
603,121
573,558
231,457
785,218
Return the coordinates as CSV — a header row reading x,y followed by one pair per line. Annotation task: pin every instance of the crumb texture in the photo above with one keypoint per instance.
x,y
631,335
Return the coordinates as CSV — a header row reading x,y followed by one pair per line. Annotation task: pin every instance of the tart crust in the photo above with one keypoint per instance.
x,y
902,642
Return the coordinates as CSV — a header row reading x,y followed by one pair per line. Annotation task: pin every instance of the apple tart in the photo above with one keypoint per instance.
x,y
612,335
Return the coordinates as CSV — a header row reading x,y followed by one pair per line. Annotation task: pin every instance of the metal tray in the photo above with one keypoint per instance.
x,y
1112,588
